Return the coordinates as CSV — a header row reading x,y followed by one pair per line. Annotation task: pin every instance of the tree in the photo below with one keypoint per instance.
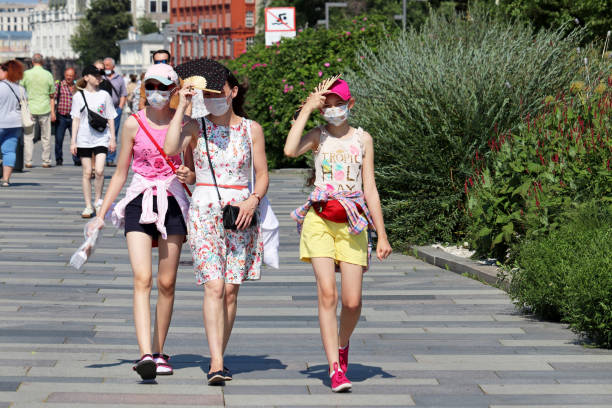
x,y
597,14
105,23
147,26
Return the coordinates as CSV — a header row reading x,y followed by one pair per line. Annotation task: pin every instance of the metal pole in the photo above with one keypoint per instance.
x,y
404,15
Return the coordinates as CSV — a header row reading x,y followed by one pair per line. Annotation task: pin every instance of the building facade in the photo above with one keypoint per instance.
x,y
53,27
217,29
155,10
14,16
15,44
137,51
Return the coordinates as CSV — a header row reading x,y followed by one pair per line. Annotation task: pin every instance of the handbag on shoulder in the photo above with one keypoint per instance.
x,y
26,117
96,121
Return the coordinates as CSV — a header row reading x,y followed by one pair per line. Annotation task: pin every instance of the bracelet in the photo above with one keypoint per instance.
x,y
257,196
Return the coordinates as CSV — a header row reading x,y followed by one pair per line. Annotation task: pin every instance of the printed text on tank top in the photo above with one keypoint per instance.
x,y
338,162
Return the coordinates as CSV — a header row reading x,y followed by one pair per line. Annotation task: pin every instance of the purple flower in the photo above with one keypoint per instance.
x,y
327,64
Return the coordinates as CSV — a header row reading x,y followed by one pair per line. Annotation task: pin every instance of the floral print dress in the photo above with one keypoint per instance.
x,y
218,253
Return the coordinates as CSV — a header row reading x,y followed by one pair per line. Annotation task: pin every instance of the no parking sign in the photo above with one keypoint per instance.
x,y
280,22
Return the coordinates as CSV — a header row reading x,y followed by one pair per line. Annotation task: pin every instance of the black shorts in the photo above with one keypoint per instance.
x,y
175,223
91,151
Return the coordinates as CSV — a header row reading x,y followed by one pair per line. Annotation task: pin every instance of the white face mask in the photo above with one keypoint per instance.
x,y
108,71
336,115
158,99
216,106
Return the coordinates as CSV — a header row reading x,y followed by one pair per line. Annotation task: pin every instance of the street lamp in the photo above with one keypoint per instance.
x,y
327,7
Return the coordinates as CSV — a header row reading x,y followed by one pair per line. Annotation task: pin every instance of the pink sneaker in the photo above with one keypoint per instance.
x,y
343,354
339,382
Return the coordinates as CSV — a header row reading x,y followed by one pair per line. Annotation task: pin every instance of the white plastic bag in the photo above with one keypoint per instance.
x,y
92,234
269,230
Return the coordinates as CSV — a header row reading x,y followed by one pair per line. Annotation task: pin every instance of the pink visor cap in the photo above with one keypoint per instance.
x,y
163,73
340,88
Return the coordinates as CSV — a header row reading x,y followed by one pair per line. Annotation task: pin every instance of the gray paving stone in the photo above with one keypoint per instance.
x,y
8,386
79,325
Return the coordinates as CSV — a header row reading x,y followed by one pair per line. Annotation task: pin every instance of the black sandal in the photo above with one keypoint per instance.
x,y
227,374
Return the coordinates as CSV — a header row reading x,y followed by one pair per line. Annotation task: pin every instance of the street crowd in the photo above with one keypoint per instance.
x,y
188,127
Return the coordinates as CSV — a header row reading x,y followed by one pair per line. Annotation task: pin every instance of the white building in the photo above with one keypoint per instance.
x,y
14,16
52,28
155,10
15,44
137,51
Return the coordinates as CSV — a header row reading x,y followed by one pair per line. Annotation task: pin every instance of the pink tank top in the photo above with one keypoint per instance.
x,y
147,161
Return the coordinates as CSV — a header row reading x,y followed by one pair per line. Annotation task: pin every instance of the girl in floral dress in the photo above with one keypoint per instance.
x,y
222,258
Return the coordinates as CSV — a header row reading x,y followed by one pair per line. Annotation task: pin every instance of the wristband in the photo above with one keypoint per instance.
x,y
257,196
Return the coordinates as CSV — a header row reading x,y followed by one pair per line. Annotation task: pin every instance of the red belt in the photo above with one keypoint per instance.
x,y
235,187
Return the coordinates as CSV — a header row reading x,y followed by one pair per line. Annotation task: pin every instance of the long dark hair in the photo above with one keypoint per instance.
x,y
238,101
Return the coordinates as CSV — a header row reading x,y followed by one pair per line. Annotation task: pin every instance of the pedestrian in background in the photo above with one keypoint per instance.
x,y
119,95
87,141
3,69
64,91
131,87
40,87
10,116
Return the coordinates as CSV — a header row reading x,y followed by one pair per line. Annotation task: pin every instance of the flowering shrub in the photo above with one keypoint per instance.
x,y
432,98
554,160
282,75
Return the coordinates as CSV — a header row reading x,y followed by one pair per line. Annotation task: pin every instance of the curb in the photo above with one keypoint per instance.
x,y
458,265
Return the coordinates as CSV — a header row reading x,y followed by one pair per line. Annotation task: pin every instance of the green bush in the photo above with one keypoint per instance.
x,y
432,98
568,275
280,77
556,159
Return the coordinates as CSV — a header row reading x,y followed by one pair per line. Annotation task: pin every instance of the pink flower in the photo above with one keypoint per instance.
x,y
327,64
362,28
264,65
302,83
300,30
354,21
270,107
284,80
365,19
243,65
339,59
320,73
290,88
348,33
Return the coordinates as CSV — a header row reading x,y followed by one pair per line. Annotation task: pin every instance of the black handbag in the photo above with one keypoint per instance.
x,y
96,121
230,212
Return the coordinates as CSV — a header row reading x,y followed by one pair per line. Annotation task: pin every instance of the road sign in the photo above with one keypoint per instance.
x,y
280,23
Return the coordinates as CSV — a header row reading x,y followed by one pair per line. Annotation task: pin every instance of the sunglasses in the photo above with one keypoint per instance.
x,y
164,61
159,87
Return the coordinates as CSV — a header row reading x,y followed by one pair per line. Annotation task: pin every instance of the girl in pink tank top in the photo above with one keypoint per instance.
x,y
153,212
335,219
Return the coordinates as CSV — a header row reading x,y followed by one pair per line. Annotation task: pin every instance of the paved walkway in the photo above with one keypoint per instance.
x,y
427,337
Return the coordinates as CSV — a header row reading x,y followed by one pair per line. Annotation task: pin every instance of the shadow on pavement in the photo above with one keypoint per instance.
x,y
356,372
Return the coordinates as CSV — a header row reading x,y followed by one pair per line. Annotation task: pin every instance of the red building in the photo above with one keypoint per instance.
x,y
217,29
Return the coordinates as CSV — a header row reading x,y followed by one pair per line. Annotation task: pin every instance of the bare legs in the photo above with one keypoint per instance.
x,y
328,302
139,249
219,310
98,167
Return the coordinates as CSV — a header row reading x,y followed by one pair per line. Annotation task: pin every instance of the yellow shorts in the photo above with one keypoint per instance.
x,y
321,238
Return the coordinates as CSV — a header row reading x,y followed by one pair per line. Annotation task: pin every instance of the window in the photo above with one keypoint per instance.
x,y
250,22
250,41
164,6
153,6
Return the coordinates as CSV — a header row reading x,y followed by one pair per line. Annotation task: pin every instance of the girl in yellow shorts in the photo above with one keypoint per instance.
x,y
335,220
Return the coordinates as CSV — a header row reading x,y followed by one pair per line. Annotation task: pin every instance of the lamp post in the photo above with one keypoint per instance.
x,y
327,7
